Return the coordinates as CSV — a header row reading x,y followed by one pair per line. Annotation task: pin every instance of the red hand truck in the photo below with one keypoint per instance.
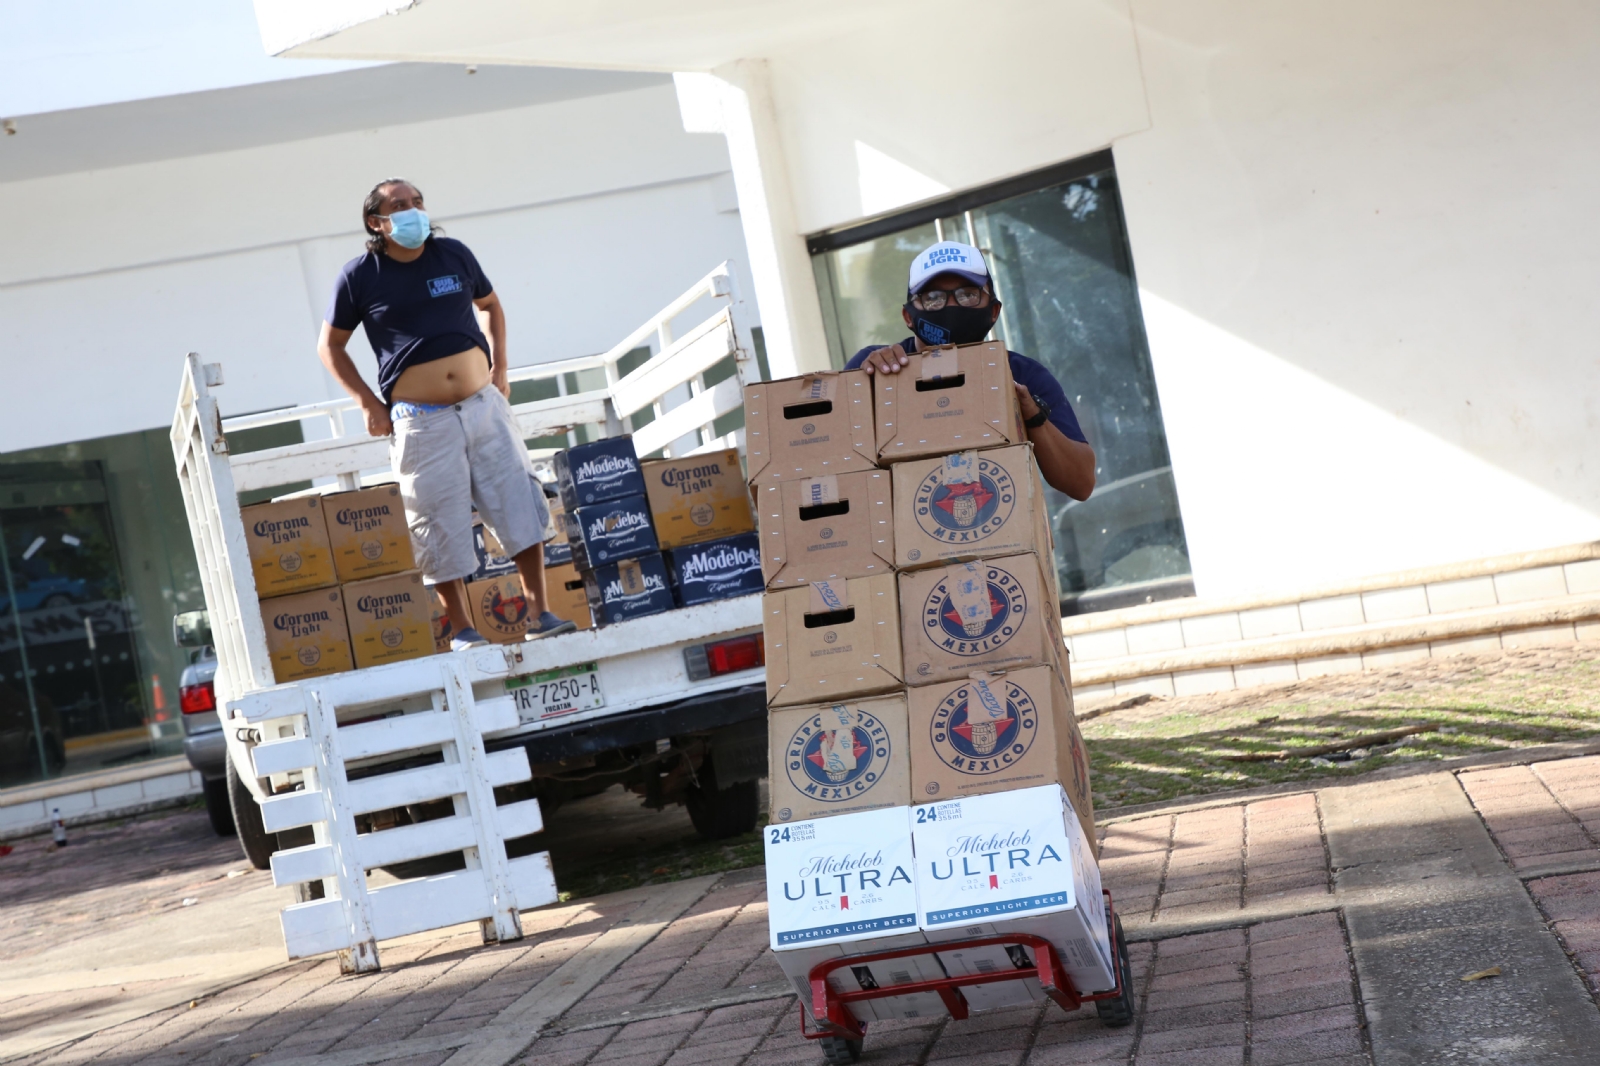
x,y
841,1034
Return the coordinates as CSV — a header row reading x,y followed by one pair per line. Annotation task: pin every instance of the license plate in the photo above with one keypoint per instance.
x,y
556,692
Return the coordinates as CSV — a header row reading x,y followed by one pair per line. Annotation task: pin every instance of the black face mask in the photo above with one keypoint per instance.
x,y
952,323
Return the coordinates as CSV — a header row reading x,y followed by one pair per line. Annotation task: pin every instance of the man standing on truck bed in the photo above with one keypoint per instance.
x,y
951,300
445,403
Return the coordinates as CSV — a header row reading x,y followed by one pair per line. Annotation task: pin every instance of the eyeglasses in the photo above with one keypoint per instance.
x,y
936,299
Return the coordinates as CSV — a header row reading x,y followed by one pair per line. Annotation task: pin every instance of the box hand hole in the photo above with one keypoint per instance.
x,y
824,510
814,409
830,618
954,381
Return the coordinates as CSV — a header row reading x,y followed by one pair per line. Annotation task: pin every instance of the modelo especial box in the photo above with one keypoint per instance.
x,y
633,588
698,499
368,532
609,532
718,570
390,619
598,471
306,635
288,544
837,758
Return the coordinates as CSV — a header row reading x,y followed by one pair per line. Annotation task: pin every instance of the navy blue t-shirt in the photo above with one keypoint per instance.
x,y
1029,373
414,312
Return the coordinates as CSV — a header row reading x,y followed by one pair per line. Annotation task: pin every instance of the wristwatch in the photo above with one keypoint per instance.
x,y
1039,419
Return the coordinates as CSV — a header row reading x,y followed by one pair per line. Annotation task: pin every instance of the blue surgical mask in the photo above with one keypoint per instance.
x,y
410,228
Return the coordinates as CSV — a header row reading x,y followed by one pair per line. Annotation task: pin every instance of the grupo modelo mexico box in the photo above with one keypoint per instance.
x,y
838,758
598,471
1012,862
307,635
832,640
808,426
499,609
948,400
984,614
821,528
997,732
288,545
390,619
701,498
368,533
967,505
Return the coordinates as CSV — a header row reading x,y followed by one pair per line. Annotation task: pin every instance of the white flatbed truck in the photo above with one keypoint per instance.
x,y
441,769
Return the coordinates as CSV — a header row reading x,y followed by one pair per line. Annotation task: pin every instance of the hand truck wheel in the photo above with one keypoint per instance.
x,y
837,1051
1118,1012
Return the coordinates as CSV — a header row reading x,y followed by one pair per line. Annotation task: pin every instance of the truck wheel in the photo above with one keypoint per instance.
x,y
217,807
258,844
719,813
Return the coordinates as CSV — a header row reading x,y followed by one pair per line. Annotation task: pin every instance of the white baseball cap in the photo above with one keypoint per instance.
x,y
947,257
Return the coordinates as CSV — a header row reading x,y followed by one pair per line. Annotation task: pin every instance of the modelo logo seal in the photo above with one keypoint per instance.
x,y
837,755
1008,606
980,737
965,512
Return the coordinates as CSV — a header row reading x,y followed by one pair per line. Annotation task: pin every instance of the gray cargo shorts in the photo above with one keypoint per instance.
x,y
453,457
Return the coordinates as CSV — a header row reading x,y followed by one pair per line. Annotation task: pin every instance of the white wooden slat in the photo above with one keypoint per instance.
x,y
308,863
496,714
726,395
307,462
519,819
509,767
314,928
406,842
284,756
701,348
381,684
429,903
403,787
266,703
533,881
387,735
539,418
293,810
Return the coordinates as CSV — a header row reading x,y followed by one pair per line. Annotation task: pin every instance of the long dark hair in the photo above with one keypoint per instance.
x,y
370,206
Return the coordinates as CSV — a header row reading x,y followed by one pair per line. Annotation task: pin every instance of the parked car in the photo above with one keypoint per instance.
x,y
203,743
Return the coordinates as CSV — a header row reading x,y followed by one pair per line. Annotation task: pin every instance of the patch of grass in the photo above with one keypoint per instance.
x,y
674,860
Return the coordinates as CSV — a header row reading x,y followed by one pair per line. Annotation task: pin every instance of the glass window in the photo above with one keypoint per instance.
x,y
1061,266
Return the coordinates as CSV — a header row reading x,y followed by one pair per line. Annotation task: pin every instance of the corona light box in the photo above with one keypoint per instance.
x,y
998,732
306,635
838,758
701,498
368,533
819,528
288,544
840,880
986,614
968,505
809,426
948,400
390,619
832,640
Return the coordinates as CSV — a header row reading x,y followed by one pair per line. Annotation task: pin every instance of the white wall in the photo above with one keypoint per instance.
x,y
588,215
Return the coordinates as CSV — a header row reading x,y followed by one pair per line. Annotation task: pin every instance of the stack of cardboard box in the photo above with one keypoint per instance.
x,y
928,780
336,582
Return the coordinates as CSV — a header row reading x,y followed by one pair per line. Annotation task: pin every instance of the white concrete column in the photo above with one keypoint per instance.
x,y
736,101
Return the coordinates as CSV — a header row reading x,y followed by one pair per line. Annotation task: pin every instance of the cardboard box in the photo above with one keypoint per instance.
x,y
838,758
493,560
796,964
996,733
817,529
443,629
948,400
808,426
1013,862
967,505
390,619
598,471
306,634
987,614
633,588
701,498
288,544
610,532
718,570
995,958
499,609
840,880
368,533
566,596
832,640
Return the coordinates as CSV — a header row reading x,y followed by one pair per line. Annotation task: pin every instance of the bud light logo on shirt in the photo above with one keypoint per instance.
x,y
983,728
1008,606
448,285
838,754
965,512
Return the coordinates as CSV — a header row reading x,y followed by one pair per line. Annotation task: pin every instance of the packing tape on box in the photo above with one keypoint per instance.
x,y
989,706
816,387
632,577
968,590
838,740
815,490
960,468
939,363
831,595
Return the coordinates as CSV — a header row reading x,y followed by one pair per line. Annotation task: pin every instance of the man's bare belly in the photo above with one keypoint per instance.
x,y
448,380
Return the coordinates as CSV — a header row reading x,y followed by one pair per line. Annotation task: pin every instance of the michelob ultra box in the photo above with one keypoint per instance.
x,y
840,880
832,640
566,595
598,471
967,505
633,588
368,533
808,426
1012,862
499,609
306,635
701,498
390,619
948,400
820,528
997,733
718,570
858,974
609,532
288,543
984,614
838,758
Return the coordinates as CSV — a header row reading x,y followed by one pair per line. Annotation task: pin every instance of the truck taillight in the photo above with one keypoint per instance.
x,y
195,699
724,657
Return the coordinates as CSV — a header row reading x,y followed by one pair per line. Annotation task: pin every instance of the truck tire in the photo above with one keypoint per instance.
x,y
218,809
719,813
257,843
